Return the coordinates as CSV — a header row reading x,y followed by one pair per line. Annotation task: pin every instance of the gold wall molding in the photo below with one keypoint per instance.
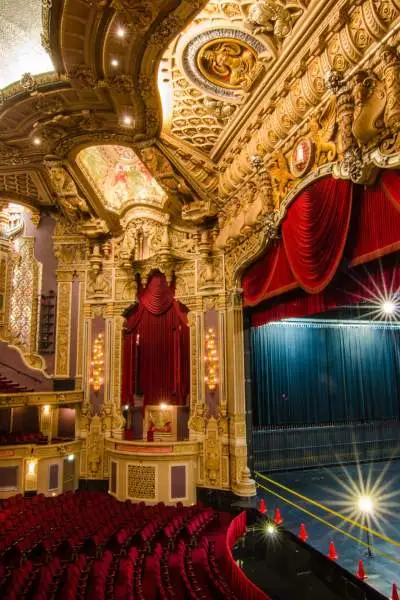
x,y
41,398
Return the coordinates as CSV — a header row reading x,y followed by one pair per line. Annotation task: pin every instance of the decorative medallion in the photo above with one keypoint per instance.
x,y
223,62
226,63
302,157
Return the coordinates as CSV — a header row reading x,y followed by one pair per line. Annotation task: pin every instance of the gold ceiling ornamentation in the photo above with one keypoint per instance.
x,y
229,63
274,17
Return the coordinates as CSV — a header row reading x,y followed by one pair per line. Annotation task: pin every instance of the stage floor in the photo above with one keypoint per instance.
x,y
333,487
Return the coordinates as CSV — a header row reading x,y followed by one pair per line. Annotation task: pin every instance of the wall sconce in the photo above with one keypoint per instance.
x,y
71,457
97,363
211,360
31,467
46,410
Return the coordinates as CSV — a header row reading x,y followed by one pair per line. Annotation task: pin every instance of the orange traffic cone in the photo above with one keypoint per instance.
x,y
278,517
395,593
333,555
303,535
361,574
262,507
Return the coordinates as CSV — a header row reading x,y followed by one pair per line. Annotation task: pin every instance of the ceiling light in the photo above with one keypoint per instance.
x,y
121,32
37,141
114,62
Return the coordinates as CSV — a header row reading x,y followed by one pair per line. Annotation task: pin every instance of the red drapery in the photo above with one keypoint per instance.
x,y
156,338
361,224
315,232
239,583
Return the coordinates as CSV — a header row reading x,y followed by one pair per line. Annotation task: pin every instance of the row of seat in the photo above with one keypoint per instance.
x,y
8,439
90,546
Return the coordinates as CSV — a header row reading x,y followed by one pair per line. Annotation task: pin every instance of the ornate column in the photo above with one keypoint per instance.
x,y
240,480
63,324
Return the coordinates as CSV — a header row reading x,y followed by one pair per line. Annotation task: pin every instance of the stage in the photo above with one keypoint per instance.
x,y
336,489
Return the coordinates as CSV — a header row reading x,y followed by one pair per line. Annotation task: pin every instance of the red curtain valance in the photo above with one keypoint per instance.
x,y
156,347
330,221
315,231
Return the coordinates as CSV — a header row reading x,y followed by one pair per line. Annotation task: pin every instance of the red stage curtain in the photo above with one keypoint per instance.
x,y
315,232
159,324
269,276
375,223
361,283
373,232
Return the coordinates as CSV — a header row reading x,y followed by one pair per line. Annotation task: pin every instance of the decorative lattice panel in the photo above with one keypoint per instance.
x,y
141,482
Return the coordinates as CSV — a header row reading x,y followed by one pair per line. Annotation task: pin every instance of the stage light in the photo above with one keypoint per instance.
x,y
388,307
365,504
270,529
71,457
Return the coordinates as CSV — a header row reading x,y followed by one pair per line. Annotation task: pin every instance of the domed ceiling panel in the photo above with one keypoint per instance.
x,y
20,41
119,177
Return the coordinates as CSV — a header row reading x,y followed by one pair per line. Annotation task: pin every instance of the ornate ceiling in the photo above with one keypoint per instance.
x,y
20,34
187,90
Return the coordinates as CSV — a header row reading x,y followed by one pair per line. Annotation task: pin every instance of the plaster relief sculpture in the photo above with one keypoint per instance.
x,y
322,130
273,17
369,105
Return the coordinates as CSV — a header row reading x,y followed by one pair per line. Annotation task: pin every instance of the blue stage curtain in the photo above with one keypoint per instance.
x,y
318,372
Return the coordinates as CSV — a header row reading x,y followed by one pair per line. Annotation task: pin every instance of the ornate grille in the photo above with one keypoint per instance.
x,y
141,482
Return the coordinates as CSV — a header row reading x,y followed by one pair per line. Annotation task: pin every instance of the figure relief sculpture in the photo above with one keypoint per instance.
x,y
281,178
98,284
322,130
370,99
273,17
229,64
66,191
197,422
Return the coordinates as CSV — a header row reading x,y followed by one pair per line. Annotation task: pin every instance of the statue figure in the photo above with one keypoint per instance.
x,y
322,130
98,284
280,177
66,191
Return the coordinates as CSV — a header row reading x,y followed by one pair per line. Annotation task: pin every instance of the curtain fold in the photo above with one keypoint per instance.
x,y
310,373
157,328
315,232
359,284
323,232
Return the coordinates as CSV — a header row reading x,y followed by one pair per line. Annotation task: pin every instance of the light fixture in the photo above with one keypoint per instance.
x,y
126,406
127,120
31,467
163,406
211,360
114,62
388,307
97,363
71,457
270,529
37,141
46,410
121,32
365,504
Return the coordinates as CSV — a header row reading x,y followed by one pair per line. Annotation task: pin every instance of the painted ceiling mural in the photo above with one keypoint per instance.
x,y
119,177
